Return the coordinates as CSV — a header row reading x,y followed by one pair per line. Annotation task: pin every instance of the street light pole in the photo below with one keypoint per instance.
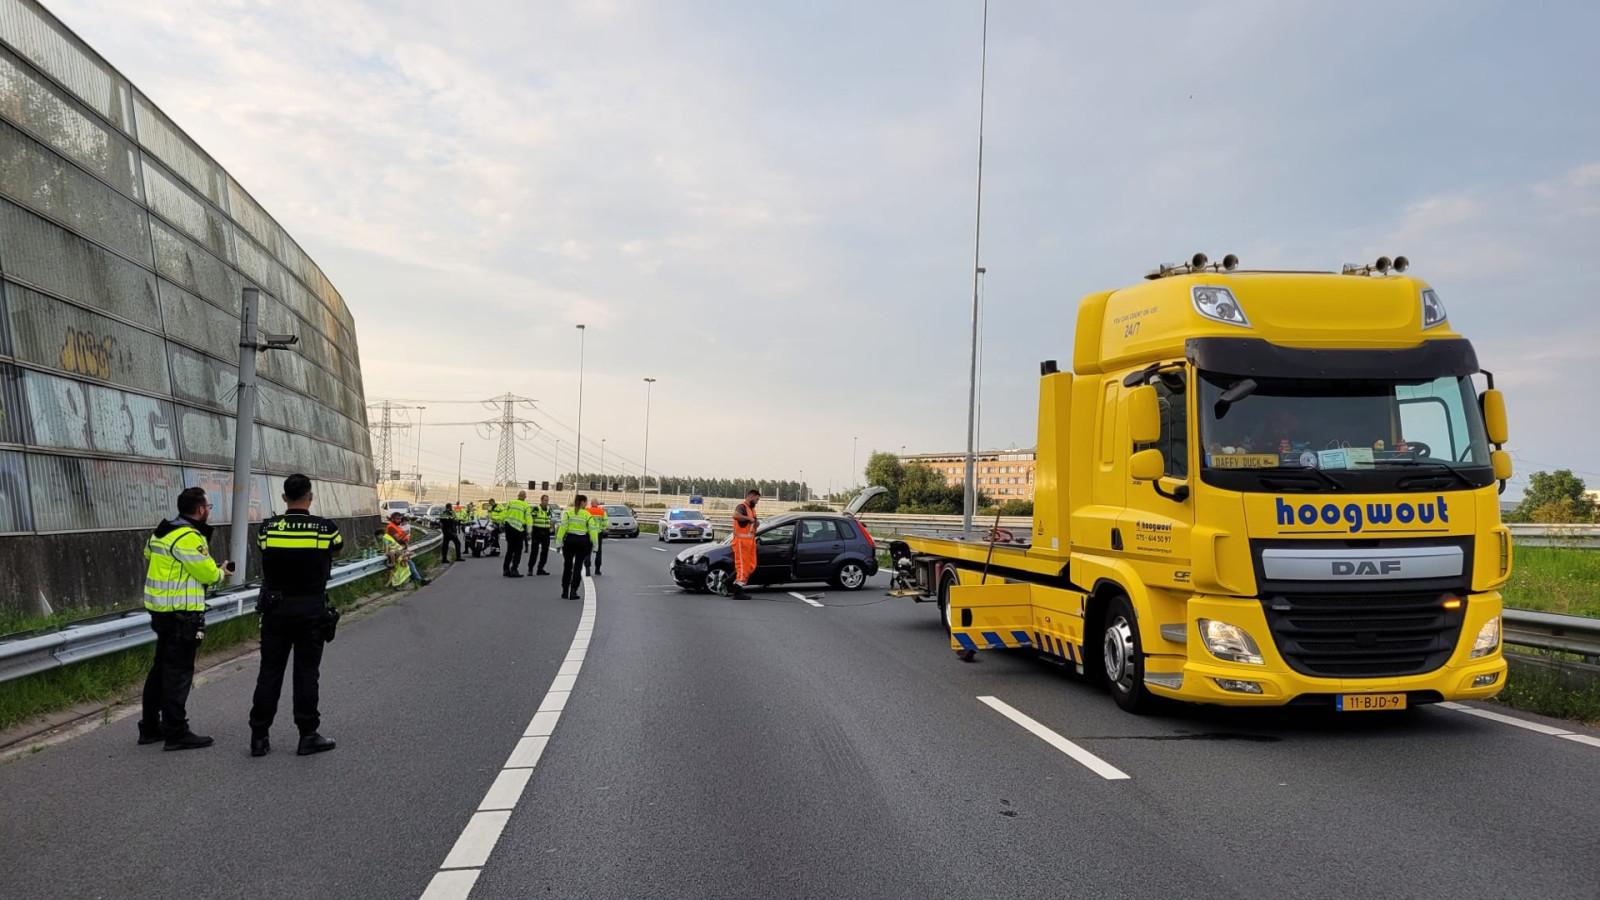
x,y
460,449
603,479
419,451
853,460
649,383
578,461
969,500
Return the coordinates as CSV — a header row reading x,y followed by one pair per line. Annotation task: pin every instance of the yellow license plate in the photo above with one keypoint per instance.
x,y
1370,702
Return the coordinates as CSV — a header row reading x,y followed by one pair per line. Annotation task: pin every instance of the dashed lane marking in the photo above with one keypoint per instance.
x,y
799,596
1089,761
461,867
1525,724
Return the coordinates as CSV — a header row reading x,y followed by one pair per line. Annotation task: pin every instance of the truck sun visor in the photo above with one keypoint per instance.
x,y
1253,356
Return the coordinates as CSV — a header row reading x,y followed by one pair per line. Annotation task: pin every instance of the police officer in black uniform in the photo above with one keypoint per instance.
x,y
448,526
297,550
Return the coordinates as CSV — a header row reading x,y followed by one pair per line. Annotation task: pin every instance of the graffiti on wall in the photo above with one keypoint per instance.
x,y
85,353
72,415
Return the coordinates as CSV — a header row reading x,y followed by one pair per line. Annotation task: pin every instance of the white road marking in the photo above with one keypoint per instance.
x,y
543,724
459,872
477,840
527,753
1540,727
506,790
799,596
1093,763
452,885
1525,724
659,549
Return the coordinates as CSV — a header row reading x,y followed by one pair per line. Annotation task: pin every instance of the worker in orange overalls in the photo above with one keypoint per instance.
x,y
744,541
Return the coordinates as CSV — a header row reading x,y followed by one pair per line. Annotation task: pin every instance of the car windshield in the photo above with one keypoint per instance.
x,y
1341,426
618,511
686,515
399,505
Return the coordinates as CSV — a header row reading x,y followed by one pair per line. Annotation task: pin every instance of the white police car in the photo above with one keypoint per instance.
x,y
684,525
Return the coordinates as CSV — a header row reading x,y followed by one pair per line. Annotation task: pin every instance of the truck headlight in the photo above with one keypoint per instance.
x,y
1229,642
1488,639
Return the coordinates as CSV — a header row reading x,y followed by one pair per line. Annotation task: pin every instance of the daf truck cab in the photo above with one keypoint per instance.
x,y
1261,488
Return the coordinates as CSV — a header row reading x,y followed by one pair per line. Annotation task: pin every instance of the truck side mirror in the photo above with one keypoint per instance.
x,y
1494,416
1147,465
1501,460
1144,416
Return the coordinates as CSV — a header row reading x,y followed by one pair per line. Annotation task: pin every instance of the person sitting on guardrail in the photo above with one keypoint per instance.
x,y
401,567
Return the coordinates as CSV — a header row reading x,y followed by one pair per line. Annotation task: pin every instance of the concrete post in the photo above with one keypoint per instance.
x,y
243,433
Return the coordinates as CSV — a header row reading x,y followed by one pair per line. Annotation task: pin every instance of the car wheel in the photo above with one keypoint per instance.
x,y
850,575
718,579
1123,656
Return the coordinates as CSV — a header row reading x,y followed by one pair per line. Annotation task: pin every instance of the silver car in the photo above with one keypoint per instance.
x,y
621,522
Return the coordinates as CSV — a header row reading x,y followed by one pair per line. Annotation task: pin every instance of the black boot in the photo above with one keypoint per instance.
x,y
149,734
188,741
259,745
313,743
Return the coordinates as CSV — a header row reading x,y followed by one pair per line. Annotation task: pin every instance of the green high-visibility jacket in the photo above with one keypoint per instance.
x,y
516,515
180,569
541,516
578,521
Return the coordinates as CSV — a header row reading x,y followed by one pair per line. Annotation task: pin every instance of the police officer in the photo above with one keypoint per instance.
x,y
297,550
516,516
576,536
180,568
539,534
448,527
603,521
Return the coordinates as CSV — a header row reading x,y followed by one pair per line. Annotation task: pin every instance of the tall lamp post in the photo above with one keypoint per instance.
x,y
649,383
604,481
853,460
419,451
460,449
969,500
251,341
578,461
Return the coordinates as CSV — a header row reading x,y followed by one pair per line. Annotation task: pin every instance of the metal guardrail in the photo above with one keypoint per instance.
x,y
104,635
1576,537
1577,635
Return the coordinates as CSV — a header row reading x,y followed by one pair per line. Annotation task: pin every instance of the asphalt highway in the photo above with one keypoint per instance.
x,y
500,742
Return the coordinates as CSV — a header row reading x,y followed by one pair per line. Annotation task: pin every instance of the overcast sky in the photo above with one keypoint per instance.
x,y
769,206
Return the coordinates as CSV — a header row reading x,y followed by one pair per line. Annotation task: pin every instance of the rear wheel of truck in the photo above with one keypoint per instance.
x,y
946,581
1123,657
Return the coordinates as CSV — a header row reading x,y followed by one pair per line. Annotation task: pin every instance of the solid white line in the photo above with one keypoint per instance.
x,y
527,753
799,596
543,724
1093,763
453,885
477,840
659,549
506,790
1539,727
1582,739
460,869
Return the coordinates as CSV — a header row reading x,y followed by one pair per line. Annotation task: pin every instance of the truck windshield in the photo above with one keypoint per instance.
x,y
1406,428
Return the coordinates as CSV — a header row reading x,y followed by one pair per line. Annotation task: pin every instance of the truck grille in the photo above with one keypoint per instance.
x,y
1365,636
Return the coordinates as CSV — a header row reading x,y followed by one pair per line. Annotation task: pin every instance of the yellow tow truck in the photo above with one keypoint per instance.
x,y
1253,488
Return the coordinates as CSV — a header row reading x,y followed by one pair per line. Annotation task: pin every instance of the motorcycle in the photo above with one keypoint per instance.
x,y
481,538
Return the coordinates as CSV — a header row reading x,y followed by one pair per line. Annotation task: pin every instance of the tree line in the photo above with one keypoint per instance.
x,y
1554,498
729,488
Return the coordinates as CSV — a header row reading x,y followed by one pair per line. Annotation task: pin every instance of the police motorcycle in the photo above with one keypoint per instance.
x,y
481,538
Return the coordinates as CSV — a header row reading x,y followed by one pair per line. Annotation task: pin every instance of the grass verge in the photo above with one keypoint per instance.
x,y
1555,579
1548,691
106,677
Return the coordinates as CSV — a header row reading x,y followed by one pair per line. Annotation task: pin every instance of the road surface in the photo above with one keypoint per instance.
x,y
816,744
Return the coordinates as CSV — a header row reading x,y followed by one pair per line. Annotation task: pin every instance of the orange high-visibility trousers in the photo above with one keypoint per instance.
x,y
744,558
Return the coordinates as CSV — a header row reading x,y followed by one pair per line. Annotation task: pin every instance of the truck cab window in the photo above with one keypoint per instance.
x,y
1173,397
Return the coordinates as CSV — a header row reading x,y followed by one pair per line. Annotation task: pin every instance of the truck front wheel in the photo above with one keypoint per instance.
x,y
1124,656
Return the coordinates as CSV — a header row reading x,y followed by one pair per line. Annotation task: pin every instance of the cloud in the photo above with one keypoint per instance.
x,y
769,207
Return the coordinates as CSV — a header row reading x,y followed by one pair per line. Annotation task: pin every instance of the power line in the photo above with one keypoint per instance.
x,y
383,453
505,464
